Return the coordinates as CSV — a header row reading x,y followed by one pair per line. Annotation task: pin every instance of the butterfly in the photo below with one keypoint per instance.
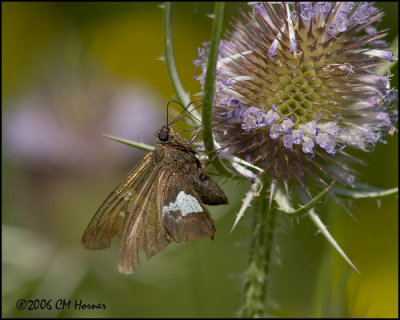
x,y
162,200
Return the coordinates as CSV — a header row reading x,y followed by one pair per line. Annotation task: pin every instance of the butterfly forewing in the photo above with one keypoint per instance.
x,y
109,219
142,230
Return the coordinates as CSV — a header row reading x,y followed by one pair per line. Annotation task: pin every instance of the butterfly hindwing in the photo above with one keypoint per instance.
x,y
183,214
168,210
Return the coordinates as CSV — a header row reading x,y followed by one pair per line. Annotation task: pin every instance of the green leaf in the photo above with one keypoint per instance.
x,y
139,145
358,194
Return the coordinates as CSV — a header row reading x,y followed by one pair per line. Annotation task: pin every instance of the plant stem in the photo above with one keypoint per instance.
x,y
257,273
209,88
181,94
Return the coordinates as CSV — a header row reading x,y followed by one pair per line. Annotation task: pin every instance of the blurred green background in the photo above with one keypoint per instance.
x,y
72,71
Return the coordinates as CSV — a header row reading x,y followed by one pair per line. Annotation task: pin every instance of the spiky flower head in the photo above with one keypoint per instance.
x,y
297,88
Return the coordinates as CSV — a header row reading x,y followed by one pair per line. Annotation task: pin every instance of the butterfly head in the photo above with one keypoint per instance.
x,y
163,135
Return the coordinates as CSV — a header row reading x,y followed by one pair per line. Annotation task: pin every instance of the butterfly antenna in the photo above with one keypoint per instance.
x,y
198,127
215,124
168,111
185,109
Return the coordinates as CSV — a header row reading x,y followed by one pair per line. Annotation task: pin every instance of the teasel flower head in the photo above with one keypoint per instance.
x,y
297,89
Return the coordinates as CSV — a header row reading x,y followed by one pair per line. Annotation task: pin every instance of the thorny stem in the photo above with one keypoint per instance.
x,y
209,88
181,94
257,273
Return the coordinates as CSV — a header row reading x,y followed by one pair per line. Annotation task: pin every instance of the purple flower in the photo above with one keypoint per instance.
x,y
304,81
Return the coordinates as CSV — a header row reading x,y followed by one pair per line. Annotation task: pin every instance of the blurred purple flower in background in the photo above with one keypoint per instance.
x,y
62,128
52,136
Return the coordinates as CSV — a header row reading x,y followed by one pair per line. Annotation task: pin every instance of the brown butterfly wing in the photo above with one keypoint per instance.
x,y
143,230
183,213
113,213
155,205
168,210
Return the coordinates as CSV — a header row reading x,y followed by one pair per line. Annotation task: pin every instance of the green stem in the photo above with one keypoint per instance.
x,y
257,273
209,88
181,94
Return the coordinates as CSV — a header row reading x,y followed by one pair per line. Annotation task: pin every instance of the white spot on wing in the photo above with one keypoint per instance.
x,y
185,203
127,195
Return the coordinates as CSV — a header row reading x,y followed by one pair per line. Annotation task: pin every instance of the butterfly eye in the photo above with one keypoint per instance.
x,y
163,135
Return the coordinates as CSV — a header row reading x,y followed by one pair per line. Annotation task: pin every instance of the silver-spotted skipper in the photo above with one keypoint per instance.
x,y
162,200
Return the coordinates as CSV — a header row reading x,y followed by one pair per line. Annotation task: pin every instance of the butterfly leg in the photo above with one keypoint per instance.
x,y
195,136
